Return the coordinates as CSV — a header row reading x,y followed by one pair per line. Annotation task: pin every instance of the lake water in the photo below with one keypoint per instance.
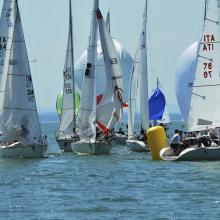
x,y
122,185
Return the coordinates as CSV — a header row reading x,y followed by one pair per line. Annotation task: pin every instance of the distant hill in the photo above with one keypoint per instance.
x,y
48,117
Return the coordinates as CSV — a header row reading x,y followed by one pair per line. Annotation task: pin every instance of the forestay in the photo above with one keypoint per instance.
x,y
7,22
86,120
108,110
68,116
205,100
20,115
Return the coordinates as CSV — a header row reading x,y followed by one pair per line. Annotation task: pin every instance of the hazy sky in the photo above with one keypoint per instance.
x,y
172,26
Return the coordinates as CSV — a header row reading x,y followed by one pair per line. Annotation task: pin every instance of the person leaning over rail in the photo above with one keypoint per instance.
x,y
175,141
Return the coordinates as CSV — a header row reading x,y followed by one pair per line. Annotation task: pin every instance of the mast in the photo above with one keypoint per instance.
x,y
72,61
157,83
144,107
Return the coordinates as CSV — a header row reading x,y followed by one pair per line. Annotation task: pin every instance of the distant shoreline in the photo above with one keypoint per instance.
x,y
53,117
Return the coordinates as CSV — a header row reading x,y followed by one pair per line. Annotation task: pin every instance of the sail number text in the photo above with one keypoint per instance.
x,y
113,61
207,70
208,42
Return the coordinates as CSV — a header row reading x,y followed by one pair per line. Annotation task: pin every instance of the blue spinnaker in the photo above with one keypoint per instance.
x,y
157,104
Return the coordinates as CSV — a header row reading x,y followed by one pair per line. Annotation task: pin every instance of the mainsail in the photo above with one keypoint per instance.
x,y
7,23
20,115
85,119
108,110
68,116
205,100
139,82
133,92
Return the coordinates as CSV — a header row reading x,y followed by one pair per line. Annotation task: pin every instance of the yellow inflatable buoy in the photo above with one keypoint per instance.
x,y
157,139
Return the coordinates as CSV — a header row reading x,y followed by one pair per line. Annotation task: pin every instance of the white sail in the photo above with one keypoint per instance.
x,y
86,120
205,100
166,116
144,108
7,22
68,117
108,110
20,115
133,92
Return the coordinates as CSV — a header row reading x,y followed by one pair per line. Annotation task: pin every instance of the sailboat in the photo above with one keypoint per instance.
x,y
204,108
96,118
139,81
21,134
66,133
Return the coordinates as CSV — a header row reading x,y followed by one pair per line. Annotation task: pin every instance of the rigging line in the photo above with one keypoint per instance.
x,y
203,97
18,41
206,85
9,8
6,49
211,42
210,59
78,70
216,22
116,77
12,74
67,109
85,109
22,109
90,77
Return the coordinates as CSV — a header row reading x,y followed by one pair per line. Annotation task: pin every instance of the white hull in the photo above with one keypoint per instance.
x,y
119,139
136,146
17,150
65,144
95,148
194,154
